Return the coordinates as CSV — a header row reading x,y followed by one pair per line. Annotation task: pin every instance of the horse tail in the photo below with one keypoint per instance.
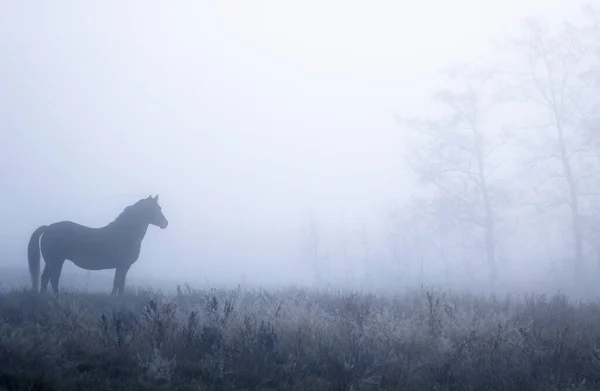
x,y
33,256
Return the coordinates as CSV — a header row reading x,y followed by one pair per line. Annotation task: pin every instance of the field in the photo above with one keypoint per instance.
x,y
295,339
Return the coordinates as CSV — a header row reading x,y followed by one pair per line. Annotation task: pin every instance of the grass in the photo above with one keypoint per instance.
x,y
296,340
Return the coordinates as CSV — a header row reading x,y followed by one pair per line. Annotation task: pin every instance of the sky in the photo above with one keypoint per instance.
x,y
245,117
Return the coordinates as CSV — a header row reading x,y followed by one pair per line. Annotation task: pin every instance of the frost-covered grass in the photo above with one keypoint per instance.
x,y
297,340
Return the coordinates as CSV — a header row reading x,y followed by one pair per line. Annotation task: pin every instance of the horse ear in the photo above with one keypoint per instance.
x,y
156,198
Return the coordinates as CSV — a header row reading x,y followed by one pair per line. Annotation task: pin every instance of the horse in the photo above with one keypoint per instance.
x,y
114,246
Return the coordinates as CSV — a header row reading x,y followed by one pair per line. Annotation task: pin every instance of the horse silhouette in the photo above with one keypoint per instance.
x,y
114,246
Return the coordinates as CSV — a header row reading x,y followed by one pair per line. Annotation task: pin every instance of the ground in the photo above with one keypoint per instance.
x,y
295,339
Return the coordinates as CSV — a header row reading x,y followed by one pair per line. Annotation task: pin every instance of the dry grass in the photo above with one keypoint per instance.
x,y
296,340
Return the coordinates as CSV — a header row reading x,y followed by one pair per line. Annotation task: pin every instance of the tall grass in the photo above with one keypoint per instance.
x,y
297,340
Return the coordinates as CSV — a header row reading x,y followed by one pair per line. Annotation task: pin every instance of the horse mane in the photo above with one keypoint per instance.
x,y
127,214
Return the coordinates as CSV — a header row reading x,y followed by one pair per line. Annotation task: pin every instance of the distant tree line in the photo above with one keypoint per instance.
x,y
517,136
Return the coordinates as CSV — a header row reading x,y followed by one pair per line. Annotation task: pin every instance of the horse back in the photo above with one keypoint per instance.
x,y
69,240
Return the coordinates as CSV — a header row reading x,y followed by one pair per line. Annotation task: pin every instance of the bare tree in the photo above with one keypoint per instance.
x,y
546,87
453,156
313,249
589,123
407,232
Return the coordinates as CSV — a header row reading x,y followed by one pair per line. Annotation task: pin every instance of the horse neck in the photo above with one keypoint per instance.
x,y
131,229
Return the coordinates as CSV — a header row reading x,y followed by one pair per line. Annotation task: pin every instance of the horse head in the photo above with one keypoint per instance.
x,y
152,212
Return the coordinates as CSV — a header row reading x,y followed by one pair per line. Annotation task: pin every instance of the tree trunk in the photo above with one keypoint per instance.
x,y
573,198
489,225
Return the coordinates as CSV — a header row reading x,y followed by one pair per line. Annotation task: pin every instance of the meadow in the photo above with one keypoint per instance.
x,y
296,339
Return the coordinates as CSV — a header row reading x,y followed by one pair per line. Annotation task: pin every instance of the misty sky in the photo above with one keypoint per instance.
x,y
246,117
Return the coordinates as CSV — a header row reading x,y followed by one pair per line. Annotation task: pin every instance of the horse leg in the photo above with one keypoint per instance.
x,y
55,275
45,277
115,285
119,281
122,282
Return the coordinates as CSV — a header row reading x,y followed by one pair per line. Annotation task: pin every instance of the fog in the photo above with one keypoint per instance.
x,y
253,121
